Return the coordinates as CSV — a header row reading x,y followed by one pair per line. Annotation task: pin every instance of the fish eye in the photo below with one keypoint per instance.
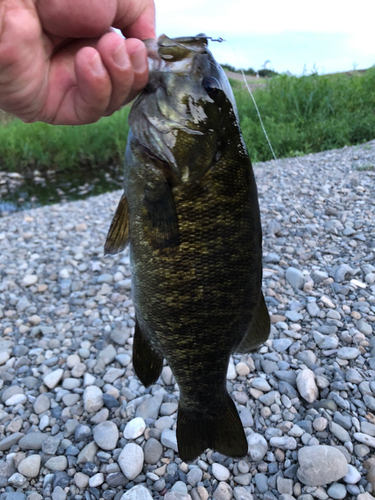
x,y
211,86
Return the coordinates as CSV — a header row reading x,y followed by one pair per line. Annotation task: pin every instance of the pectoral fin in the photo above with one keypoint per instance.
x,y
160,216
259,328
147,363
118,234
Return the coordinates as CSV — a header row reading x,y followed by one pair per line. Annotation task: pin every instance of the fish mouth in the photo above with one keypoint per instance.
x,y
164,50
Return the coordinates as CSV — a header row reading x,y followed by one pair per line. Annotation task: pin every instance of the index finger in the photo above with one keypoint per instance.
x,y
136,19
93,18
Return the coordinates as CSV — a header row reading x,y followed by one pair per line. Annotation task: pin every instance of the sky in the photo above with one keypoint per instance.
x,y
296,36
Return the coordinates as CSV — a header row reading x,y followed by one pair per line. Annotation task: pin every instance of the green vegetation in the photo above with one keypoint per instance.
x,y
308,114
301,115
43,146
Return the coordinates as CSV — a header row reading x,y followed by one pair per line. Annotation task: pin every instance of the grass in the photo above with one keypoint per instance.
x,y
309,114
42,146
301,115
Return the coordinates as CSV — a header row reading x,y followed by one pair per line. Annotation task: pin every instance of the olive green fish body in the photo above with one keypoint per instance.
x,y
195,246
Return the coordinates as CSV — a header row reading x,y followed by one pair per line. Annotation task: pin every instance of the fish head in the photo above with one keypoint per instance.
x,y
183,113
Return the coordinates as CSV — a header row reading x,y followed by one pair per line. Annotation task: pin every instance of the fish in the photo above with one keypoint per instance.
x,y
190,215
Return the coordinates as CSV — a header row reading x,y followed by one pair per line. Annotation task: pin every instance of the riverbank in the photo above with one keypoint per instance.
x,y
72,409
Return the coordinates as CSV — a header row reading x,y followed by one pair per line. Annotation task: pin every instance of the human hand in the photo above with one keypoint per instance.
x,y
61,64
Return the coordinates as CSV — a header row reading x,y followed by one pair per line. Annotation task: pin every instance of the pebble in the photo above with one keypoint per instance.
x,y
134,428
58,463
152,451
131,460
138,492
169,439
337,491
220,472
258,446
106,435
41,404
52,379
320,465
92,399
30,466
306,385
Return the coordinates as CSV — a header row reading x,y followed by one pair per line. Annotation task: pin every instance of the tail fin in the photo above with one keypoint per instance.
x,y
196,432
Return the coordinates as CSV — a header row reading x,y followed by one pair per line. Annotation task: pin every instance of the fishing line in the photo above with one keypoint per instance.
x,y
317,253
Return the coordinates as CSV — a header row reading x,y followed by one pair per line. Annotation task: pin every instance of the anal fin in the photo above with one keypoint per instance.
x,y
147,363
258,330
118,234
196,432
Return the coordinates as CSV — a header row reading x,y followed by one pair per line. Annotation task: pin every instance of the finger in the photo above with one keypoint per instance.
x,y
72,19
126,63
80,88
136,19
23,59
92,18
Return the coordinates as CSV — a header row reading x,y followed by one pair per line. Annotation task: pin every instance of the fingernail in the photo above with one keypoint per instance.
x,y
97,66
139,60
120,56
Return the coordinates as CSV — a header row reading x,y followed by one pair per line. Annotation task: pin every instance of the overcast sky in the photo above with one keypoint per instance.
x,y
328,35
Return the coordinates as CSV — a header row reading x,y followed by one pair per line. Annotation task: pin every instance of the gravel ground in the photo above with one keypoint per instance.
x,y
76,423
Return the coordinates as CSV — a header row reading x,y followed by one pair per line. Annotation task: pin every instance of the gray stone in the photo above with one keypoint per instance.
x,y
284,442
153,451
41,404
106,435
258,446
306,385
194,476
32,441
138,492
17,479
169,439
58,463
220,472
30,466
348,353
241,493
295,278
222,492
261,384
52,379
353,376
11,391
9,441
338,431
92,399
130,460
365,439
87,454
284,485
261,482
269,398
81,480
320,465
337,491
149,408
341,272
353,476
293,316
58,493
369,402
307,357
364,327
134,428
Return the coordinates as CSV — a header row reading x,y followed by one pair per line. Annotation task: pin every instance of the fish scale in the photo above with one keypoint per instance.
x,y
190,211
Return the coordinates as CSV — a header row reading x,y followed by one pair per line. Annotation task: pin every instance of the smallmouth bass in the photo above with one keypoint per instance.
x,y
191,217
